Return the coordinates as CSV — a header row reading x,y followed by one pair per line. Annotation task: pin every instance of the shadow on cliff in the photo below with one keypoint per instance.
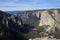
x,y
14,31
23,28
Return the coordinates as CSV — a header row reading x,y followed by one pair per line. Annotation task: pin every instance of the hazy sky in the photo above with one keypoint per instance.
x,y
11,5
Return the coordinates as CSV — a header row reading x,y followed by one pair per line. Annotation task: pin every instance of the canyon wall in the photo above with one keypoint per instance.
x,y
51,18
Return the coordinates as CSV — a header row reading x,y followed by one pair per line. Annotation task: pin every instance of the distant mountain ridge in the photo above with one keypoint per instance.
x,y
4,13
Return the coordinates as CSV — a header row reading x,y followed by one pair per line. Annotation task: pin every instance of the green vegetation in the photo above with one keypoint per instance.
x,y
35,33
57,33
32,34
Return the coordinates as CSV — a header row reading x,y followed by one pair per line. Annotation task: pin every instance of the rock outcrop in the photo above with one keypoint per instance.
x,y
51,18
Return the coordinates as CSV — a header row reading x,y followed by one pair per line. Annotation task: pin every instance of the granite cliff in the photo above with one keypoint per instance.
x,y
48,19
45,17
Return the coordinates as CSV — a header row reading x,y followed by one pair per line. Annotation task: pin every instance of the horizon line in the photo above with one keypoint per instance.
x,y
34,9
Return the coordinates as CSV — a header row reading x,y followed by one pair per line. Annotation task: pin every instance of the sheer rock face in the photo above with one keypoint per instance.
x,y
51,18
46,19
